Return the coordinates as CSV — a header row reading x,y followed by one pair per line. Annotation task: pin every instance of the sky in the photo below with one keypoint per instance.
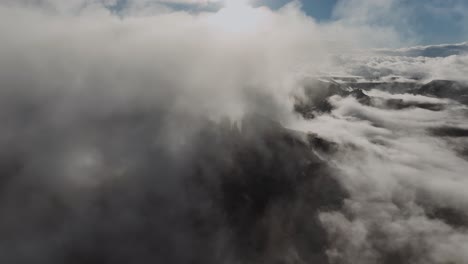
x,y
322,10
433,21
426,22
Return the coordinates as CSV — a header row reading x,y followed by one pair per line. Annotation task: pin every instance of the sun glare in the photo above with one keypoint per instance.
x,y
237,16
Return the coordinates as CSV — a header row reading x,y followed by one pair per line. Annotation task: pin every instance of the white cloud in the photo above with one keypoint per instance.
x,y
397,172
423,69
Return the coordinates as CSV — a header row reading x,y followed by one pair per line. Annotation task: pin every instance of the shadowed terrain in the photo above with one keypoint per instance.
x,y
248,192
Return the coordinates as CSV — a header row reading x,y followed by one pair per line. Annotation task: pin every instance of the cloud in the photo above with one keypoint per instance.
x,y
400,178
382,67
115,141
141,57
115,147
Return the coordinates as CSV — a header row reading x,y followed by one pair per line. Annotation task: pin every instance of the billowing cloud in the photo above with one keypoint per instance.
x,y
383,67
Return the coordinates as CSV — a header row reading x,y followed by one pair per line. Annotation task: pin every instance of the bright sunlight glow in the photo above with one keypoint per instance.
x,y
237,16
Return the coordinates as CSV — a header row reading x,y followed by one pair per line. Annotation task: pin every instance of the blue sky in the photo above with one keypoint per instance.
x,y
431,21
428,21
319,9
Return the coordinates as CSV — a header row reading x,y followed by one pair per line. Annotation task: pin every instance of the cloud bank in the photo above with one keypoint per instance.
x,y
402,180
